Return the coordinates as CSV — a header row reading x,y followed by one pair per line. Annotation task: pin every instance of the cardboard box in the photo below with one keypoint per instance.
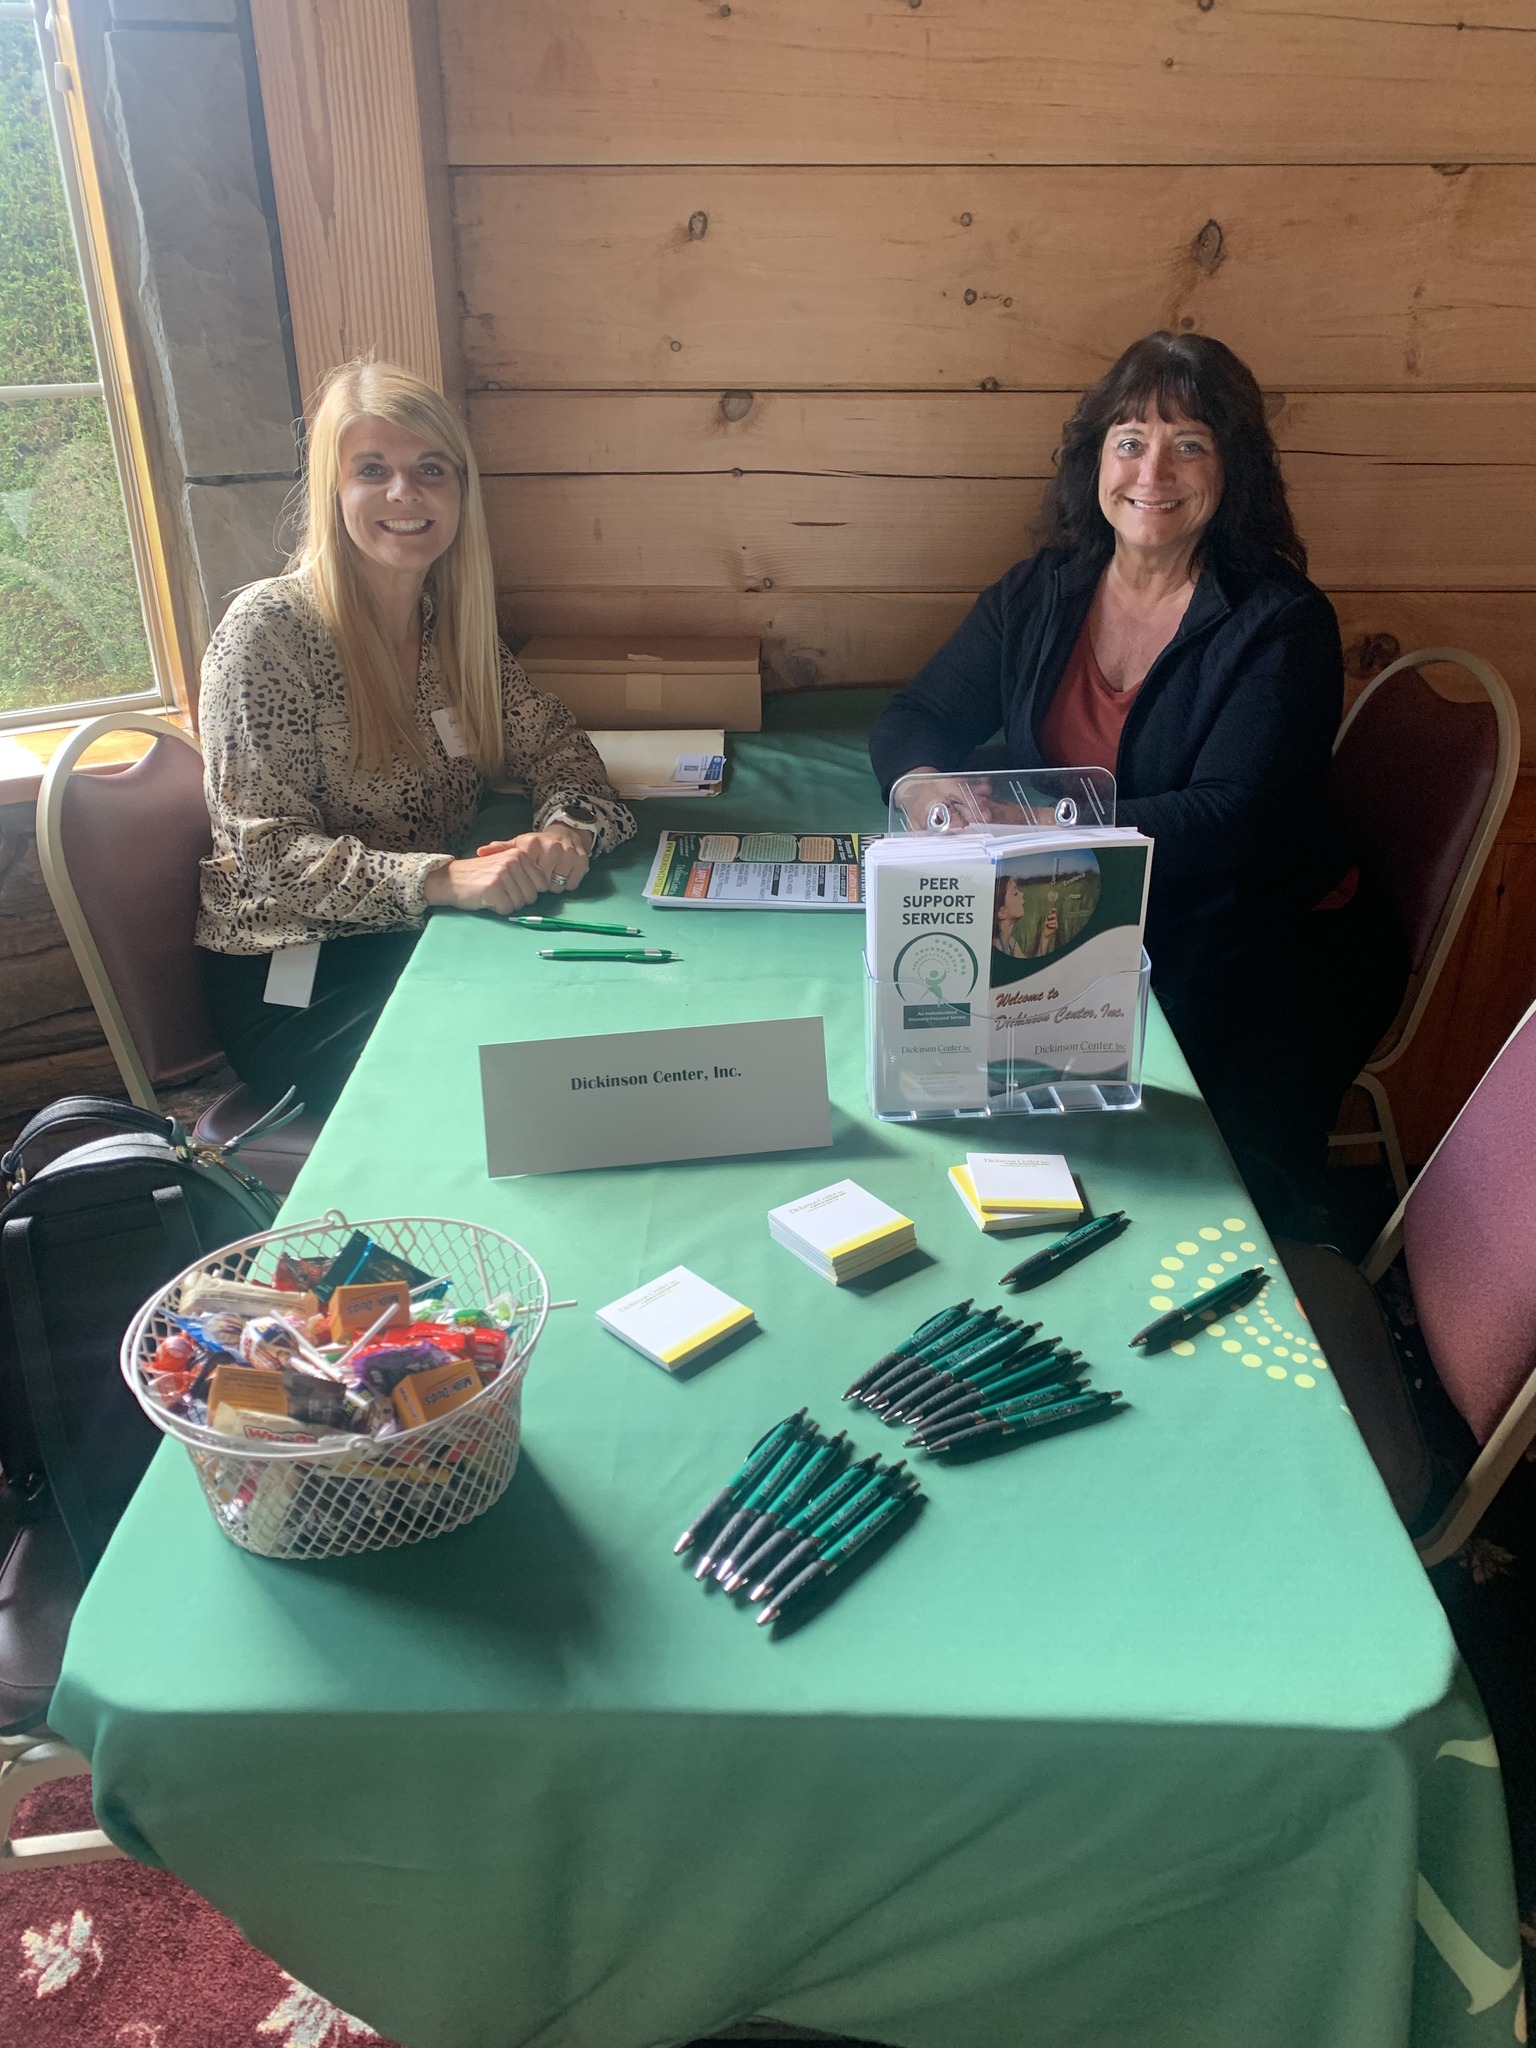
x,y
649,685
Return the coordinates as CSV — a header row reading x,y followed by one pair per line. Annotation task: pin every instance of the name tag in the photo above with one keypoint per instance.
x,y
455,746
291,975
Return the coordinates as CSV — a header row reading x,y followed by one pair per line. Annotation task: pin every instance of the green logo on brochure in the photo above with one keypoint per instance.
x,y
935,977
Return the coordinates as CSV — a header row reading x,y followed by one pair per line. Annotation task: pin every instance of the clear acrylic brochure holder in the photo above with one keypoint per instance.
x,y
964,1081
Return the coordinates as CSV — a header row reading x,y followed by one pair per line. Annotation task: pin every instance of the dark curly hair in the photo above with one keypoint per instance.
x,y
1192,375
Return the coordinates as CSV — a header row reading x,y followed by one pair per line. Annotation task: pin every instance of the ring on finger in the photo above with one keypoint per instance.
x,y
560,881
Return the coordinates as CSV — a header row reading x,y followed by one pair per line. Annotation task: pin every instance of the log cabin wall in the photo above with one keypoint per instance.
x,y
771,312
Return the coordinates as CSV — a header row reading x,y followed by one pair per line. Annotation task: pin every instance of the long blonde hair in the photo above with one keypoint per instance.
x,y
381,700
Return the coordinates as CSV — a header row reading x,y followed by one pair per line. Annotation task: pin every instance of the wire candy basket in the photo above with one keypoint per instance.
x,y
366,1493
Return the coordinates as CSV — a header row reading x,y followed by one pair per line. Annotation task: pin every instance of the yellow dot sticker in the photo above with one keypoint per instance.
x,y
1183,1348
1230,1258
1247,1245
1305,1379
1204,1283
1231,1344
1214,1268
1216,1329
1281,1352
1252,1358
1160,1301
1187,1248
1233,1223
1263,1340
1211,1236
1172,1265
1276,1372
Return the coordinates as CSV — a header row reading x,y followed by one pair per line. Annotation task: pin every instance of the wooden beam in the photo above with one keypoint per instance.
x,y
946,433
350,122
988,81
1367,524
1402,277
824,639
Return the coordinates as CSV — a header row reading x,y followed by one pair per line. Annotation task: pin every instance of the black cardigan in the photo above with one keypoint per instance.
x,y
1224,757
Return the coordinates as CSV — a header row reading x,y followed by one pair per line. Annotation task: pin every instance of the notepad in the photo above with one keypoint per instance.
x,y
842,1231
675,1319
1004,1221
1037,1186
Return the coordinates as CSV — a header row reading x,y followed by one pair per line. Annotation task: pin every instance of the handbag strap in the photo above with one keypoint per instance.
x,y
90,1109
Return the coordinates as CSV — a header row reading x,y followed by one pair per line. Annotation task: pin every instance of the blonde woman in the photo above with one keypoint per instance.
x,y
352,713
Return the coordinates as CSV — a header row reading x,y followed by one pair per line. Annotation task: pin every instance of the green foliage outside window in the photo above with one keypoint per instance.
x,y
70,623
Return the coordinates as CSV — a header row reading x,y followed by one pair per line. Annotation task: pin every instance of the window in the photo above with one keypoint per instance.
x,y
84,618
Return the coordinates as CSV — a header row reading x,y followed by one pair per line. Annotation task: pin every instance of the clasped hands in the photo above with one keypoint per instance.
x,y
506,875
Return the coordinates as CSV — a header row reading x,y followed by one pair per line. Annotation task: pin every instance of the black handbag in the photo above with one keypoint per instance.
x,y
85,1240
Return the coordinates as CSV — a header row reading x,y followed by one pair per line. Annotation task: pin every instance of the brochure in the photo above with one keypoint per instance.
x,y
758,871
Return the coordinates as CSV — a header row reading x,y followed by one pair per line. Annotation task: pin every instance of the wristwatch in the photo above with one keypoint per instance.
x,y
577,812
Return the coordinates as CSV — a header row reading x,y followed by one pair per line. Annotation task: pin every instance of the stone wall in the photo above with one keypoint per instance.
x,y
190,197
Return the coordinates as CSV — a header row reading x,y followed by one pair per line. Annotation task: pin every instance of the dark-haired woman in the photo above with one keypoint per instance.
x,y
1166,631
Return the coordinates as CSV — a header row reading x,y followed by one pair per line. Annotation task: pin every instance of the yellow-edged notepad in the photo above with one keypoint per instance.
x,y
673,1319
842,1231
994,1226
1037,1186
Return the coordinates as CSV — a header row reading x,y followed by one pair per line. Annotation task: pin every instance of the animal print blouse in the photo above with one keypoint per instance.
x,y
305,846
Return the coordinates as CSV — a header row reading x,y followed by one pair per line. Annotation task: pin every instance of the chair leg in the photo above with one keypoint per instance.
x,y
30,1761
1385,1134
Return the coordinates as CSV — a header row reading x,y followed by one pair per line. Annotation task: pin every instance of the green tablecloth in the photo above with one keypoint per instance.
x,y
1151,1733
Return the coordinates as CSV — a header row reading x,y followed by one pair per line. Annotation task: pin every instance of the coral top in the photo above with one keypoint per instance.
x,y
1082,727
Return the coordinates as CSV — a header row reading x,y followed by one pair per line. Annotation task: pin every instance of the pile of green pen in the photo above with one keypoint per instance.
x,y
965,1380
795,1513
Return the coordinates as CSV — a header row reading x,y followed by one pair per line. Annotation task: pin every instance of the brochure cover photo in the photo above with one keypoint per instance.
x,y
1065,958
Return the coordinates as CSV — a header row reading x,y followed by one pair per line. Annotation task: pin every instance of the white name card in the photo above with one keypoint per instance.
x,y
633,1098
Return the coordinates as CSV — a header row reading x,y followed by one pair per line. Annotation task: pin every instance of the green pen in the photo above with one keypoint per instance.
x,y
751,1469
1037,1358
851,1480
989,1349
573,924
956,1419
1060,1367
808,1481
983,1325
597,953
894,1483
836,1553
772,1483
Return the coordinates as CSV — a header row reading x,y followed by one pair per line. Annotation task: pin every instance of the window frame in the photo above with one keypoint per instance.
x,y
143,508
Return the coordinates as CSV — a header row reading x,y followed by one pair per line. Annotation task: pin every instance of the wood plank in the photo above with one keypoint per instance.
x,y
344,129
1367,525
830,639
984,81
811,639
1321,277
941,433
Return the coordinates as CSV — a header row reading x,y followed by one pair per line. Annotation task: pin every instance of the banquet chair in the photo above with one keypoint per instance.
x,y
1464,1230
1426,782
120,855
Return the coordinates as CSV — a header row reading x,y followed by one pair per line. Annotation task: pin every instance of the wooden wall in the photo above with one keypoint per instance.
x,y
771,313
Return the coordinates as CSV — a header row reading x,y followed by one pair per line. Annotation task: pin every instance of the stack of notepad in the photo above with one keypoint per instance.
x,y
1013,1190
643,764
842,1231
674,1319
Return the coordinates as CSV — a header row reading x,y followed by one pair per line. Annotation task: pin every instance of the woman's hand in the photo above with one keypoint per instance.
x,y
506,875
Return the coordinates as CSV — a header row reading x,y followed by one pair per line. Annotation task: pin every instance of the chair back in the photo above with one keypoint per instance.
x,y
1468,1223
120,856
1425,783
